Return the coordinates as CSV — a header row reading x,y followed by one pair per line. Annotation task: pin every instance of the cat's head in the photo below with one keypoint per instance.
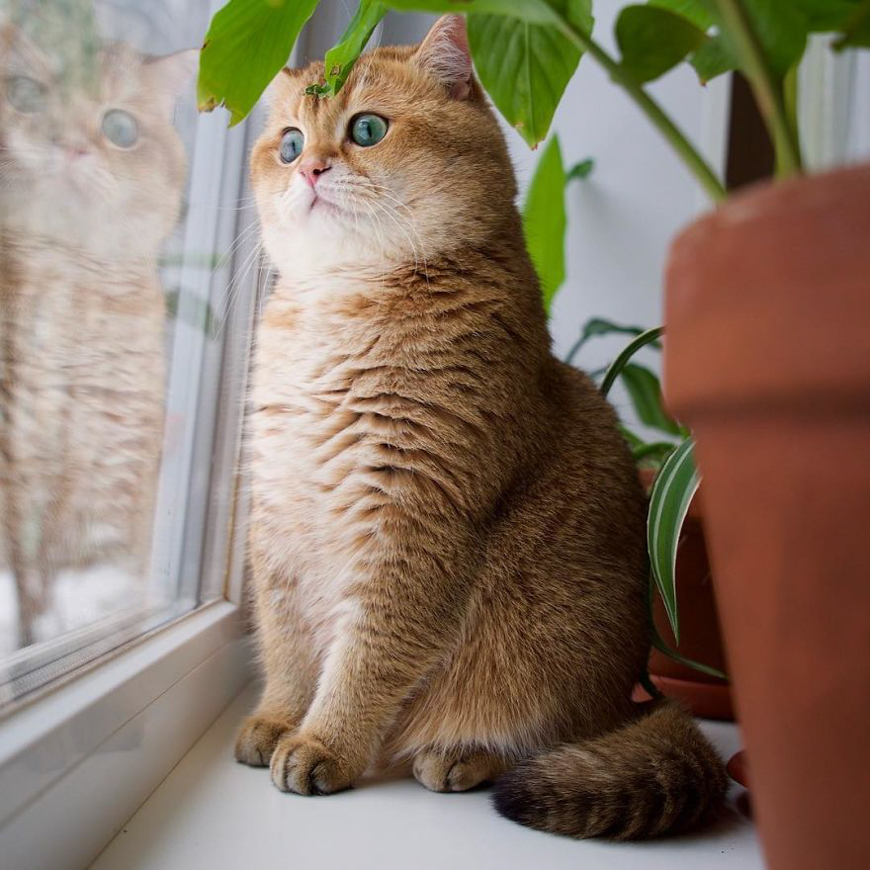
x,y
406,162
91,156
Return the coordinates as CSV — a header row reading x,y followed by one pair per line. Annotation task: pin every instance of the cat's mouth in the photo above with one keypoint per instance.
x,y
322,204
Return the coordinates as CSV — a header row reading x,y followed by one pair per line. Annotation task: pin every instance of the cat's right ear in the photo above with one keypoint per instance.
x,y
445,54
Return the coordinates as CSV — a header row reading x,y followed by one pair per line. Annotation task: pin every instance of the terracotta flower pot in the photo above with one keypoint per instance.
x,y
700,635
768,361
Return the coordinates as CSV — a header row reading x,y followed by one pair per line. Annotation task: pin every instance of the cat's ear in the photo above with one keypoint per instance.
x,y
444,53
167,76
19,53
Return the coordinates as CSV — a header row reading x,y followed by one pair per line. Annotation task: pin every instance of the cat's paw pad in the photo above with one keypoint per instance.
x,y
257,739
305,766
446,772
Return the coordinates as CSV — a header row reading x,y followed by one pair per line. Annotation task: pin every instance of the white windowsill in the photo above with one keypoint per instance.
x,y
213,813
77,763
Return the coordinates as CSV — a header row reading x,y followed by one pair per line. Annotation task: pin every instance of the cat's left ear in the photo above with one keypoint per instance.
x,y
167,76
444,53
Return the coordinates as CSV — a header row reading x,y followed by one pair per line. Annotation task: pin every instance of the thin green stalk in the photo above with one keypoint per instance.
x,y
790,95
685,150
627,353
768,91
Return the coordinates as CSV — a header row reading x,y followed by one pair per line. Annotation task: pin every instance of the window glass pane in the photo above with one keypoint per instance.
x,y
118,210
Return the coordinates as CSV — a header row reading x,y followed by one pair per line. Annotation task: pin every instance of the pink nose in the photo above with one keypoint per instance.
x,y
312,168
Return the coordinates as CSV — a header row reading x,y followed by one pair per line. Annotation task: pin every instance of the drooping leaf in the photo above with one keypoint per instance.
x,y
655,452
581,170
525,68
659,643
645,393
672,492
692,10
246,45
597,326
634,441
653,40
545,221
341,57
712,59
648,336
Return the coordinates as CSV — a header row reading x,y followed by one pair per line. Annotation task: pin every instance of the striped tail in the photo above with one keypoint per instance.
x,y
656,775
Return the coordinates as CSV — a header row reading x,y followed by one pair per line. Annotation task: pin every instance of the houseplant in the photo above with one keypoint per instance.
x,y
688,664
766,360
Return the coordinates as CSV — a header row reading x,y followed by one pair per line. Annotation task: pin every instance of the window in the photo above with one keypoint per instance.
x,y
123,338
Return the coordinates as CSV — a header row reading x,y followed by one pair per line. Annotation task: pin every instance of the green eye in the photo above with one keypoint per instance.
x,y
26,94
120,128
291,145
368,130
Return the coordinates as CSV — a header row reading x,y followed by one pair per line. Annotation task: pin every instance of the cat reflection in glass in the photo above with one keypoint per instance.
x,y
91,179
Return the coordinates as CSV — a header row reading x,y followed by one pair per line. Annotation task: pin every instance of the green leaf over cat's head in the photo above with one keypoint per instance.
x,y
247,44
340,59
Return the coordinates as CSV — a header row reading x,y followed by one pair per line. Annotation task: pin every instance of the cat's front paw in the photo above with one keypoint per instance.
x,y
258,737
303,765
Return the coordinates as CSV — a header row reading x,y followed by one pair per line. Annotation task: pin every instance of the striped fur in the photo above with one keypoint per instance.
x,y
657,775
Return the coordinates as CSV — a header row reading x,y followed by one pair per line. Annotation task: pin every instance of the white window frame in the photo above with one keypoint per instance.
x,y
78,757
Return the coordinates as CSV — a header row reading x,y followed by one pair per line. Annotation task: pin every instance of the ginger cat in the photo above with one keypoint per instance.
x,y
448,530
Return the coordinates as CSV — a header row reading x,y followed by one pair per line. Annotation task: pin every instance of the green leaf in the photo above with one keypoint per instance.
x,y
652,40
649,336
671,495
581,170
856,30
634,441
645,392
655,452
713,59
247,44
781,30
599,326
533,11
659,643
525,67
692,10
545,221
340,58
825,16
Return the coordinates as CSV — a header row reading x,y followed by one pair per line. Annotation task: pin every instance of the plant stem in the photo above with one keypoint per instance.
x,y
685,150
790,95
768,91
627,353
